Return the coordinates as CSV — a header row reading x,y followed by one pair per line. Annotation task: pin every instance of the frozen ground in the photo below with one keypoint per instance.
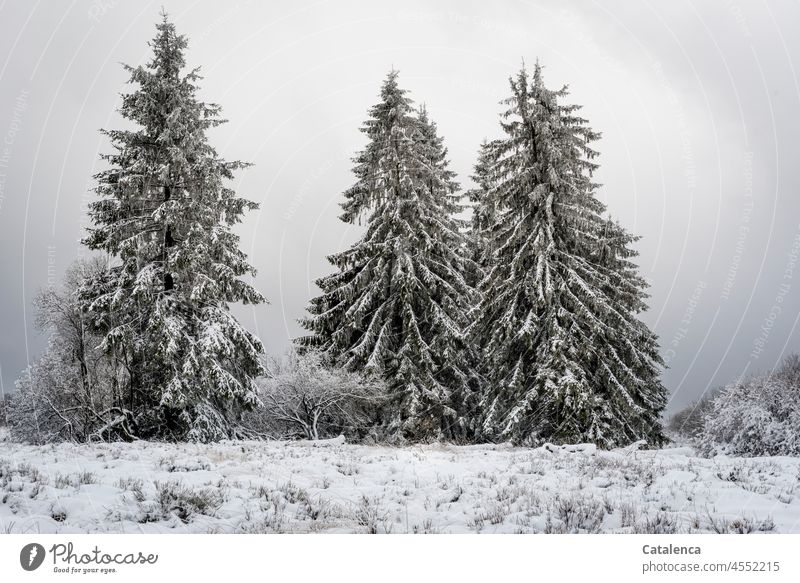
x,y
334,487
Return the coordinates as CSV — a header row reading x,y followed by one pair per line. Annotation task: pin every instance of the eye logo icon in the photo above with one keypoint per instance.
x,y
31,556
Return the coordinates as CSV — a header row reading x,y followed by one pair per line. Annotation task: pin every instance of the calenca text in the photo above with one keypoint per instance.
x,y
670,550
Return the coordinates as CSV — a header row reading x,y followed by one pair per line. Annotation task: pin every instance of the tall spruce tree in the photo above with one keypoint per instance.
x,y
396,305
165,215
483,215
567,357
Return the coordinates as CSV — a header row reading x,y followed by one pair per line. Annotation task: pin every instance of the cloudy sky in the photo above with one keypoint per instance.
x,y
697,102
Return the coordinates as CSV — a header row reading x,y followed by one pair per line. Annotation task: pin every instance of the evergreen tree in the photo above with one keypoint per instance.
x,y
458,368
166,215
396,305
567,358
483,214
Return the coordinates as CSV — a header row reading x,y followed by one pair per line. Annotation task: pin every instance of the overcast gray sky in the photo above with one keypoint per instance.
x,y
697,102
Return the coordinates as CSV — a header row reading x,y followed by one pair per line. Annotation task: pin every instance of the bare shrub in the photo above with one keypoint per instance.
x,y
739,525
575,514
659,523
371,516
302,397
184,502
756,417
73,391
133,485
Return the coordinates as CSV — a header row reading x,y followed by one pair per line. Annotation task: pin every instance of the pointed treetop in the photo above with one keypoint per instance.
x,y
537,74
390,85
168,47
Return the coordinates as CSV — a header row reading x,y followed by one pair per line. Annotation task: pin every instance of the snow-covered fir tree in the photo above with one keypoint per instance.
x,y
166,215
478,241
396,305
566,355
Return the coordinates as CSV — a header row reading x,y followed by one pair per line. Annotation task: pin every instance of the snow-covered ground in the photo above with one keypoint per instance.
x,y
335,487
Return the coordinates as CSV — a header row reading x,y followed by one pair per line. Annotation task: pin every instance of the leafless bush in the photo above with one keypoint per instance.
x,y
86,477
629,513
739,525
133,485
372,517
758,416
303,397
73,391
184,502
575,514
659,523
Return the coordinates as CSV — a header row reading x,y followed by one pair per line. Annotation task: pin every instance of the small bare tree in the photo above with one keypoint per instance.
x,y
309,399
72,391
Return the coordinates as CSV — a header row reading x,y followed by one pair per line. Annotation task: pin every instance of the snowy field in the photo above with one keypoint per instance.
x,y
255,487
